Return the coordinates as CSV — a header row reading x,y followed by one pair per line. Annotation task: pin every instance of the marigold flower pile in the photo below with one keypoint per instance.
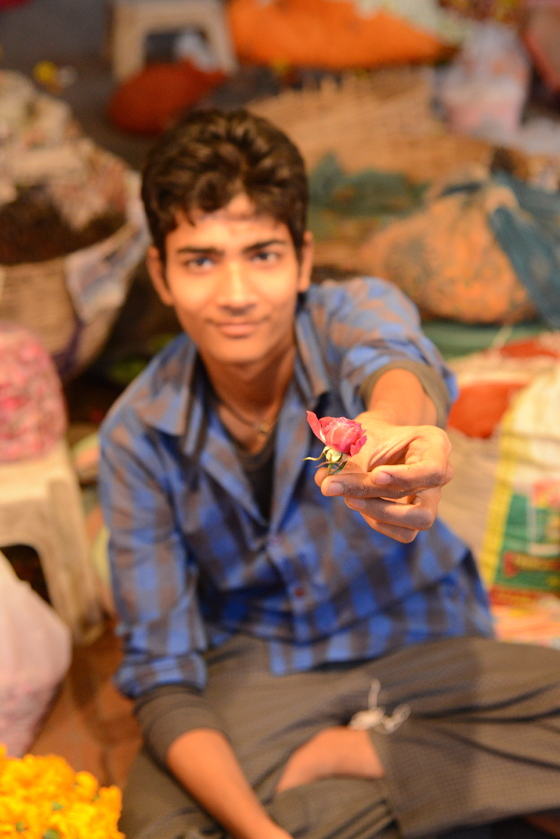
x,y
43,798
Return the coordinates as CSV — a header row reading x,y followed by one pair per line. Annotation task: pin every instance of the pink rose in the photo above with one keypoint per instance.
x,y
342,438
345,435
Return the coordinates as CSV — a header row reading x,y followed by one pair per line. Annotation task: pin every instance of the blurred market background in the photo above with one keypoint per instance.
x,y
431,133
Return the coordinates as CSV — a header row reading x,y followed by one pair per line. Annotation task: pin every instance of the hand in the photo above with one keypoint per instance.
x,y
395,481
337,750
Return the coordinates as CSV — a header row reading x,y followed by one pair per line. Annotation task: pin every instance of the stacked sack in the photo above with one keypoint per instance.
x,y
505,497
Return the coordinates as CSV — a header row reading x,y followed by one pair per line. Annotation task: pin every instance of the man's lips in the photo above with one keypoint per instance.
x,y
237,329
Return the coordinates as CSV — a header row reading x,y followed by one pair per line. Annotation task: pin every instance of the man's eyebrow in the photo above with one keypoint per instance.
x,y
199,249
210,250
266,244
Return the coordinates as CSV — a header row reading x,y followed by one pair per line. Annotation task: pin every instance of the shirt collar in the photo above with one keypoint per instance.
x,y
310,371
173,398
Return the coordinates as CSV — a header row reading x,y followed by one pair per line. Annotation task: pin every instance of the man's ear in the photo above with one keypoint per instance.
x,y
156,271
306,261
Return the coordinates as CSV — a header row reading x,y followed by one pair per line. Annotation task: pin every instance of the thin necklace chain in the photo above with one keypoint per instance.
x,y
262,428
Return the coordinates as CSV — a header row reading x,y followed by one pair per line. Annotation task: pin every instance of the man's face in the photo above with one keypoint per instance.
x,y
233,278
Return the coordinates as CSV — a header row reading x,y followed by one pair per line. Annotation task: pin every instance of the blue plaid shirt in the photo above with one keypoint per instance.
x,y
192,558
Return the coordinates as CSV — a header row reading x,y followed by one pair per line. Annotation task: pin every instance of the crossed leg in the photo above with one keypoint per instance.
x,y
450,764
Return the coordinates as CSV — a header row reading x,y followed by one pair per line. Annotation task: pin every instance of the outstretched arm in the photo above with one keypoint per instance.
x,y
396,479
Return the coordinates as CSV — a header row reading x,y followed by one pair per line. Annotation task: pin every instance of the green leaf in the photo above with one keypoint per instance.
x,y
51,834
56,805
20,827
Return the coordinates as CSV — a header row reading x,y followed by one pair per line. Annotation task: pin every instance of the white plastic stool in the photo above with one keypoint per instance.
x,y
41,506
134,20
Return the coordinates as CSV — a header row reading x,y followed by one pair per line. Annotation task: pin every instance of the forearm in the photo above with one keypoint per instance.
x,y
399,399
204,762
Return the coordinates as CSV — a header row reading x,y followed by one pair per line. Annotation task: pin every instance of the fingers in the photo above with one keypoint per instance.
x,y
396,497
385,482
401,519
399,534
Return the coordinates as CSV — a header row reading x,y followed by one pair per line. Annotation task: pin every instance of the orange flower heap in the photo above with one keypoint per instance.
x,y
43,798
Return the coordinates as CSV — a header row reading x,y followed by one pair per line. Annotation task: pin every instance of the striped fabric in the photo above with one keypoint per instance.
x,y
193,560
479,745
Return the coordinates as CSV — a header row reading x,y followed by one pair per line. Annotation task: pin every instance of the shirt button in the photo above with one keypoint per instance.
x,y
299,591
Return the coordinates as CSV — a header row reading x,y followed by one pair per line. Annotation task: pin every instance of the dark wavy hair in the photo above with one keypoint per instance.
x,y
211,156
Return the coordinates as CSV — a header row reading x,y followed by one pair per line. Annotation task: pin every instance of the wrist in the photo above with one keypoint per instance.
x,y
258,825
269,830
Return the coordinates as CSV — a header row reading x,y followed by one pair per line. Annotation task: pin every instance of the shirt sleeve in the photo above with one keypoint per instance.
x,y
167,712
154,580
366,326
430,380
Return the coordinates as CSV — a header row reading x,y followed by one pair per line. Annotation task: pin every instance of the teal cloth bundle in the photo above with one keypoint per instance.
x,y
530,236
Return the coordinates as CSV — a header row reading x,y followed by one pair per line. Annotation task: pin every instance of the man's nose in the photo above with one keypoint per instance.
x,y
235,288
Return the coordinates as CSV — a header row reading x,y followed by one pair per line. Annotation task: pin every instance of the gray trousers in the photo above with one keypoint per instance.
x,y
481,742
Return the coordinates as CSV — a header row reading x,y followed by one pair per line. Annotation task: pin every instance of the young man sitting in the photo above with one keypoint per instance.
x,y
310,654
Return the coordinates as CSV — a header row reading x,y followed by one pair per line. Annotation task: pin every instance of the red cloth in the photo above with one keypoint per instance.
x,y
150,101
481,405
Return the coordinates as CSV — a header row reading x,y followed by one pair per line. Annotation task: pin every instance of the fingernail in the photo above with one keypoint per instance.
x,y
354,504
335,488
382,479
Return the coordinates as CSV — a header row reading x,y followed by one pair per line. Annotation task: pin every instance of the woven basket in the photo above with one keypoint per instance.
x,y
36,295
381,120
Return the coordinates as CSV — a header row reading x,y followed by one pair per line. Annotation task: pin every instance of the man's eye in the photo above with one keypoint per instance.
x,y
265,256
196,262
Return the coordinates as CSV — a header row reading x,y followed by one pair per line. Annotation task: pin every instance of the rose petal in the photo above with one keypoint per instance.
x,y
326,423
343,433
315,425
340,433
357,446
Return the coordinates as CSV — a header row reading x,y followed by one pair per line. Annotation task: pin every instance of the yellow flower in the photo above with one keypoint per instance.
x,y
43,798
85,785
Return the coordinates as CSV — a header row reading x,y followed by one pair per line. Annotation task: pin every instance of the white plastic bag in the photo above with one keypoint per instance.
x,y
485,88
35,653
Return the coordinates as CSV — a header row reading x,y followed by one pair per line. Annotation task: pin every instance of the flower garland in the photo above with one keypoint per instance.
x,y
43,798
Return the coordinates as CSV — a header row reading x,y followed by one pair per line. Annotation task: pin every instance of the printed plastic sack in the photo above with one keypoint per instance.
x,y
34,656
520,555
504,500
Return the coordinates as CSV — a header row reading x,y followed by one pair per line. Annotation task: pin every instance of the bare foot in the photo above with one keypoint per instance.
x,y
334,751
